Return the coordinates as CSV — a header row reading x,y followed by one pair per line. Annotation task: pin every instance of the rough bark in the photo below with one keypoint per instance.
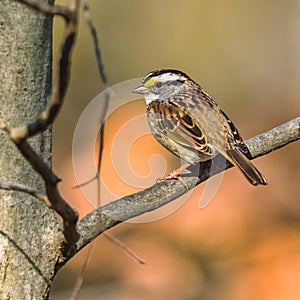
x,y
29,231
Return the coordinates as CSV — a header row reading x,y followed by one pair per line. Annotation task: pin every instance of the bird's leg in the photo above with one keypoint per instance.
x,y
175,174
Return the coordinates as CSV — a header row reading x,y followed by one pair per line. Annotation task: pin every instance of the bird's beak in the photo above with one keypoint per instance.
x,y
141,90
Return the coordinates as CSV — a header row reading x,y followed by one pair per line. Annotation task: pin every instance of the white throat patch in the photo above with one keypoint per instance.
x,y
150,97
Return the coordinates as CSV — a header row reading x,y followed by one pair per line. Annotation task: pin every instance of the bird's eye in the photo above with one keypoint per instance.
x,y
158,84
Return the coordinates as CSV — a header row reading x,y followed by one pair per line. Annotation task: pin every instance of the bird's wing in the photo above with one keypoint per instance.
x,y
237,138
177,125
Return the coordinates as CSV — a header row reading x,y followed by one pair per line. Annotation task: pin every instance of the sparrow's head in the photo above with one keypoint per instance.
x,y
161,84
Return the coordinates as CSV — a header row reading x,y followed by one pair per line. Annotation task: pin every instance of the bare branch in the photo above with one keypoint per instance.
x,y
275,138
94,34
162,193
103,79
4,185
107,92
125,248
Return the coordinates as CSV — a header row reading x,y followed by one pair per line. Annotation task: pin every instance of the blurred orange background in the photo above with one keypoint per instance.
x,y
245,244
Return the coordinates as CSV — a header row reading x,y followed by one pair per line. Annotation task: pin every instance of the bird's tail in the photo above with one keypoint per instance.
x,y
246,167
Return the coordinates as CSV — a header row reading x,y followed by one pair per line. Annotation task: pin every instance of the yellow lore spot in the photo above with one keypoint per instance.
x,y
150,82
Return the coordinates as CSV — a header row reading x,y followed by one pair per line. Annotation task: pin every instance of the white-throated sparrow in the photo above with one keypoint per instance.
x,y
190,124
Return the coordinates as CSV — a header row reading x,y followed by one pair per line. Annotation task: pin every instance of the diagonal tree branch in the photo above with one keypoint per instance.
x,y
275,138
162,193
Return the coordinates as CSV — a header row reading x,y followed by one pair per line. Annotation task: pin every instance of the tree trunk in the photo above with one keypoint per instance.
x,y
28,229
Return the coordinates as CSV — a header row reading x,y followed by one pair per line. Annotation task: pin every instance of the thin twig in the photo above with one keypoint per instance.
x,y
125,248
4,185
93,31
86,182
107,93
80,277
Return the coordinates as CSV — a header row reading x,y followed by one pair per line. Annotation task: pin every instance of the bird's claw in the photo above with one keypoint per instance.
x,y
173,175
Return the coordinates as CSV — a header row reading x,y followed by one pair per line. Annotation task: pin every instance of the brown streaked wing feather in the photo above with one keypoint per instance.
x,y
192,131
236,135
238,140
180,127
